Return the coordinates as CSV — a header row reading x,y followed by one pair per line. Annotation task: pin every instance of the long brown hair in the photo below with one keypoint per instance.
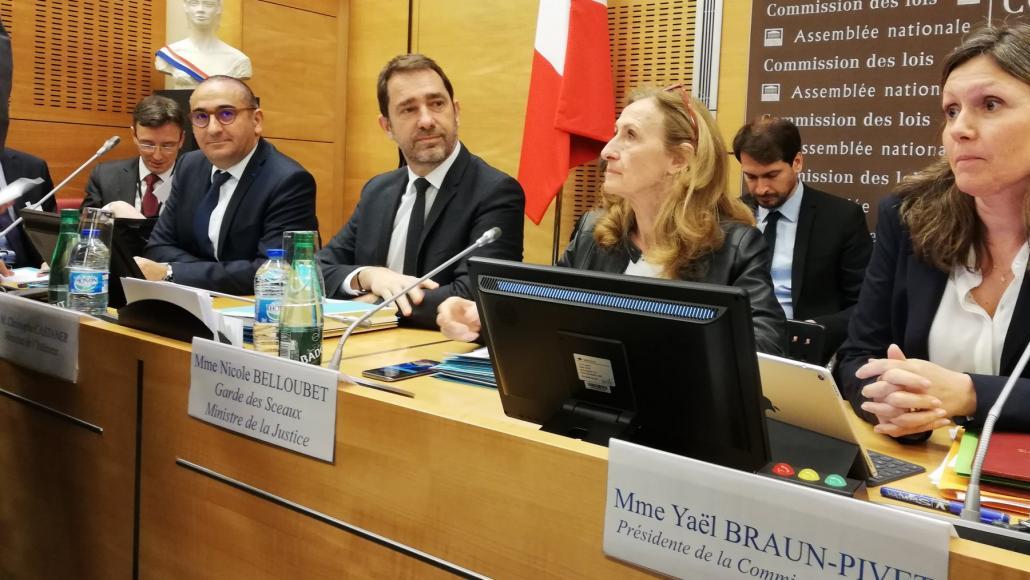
x,y
687,226
942,220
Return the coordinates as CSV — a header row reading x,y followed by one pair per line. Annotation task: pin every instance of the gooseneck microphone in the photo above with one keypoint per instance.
x,y
971,507
488,237
107,146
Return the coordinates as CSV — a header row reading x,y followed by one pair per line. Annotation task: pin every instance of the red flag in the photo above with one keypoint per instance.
x,y
571,109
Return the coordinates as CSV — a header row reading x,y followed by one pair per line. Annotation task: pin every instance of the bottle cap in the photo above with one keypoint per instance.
x,y
89,233
275,253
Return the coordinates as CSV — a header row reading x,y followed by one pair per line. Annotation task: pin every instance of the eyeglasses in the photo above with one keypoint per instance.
x,y
226,116
165,147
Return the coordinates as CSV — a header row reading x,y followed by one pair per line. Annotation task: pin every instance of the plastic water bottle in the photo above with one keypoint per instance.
x,y
88,272
300,318
269,285
67,239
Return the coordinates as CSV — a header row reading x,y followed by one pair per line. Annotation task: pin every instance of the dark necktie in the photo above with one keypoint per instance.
x,y
416,223
150,204
770,229
202,219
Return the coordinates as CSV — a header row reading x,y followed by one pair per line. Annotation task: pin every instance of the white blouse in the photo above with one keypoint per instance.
x,y
963,337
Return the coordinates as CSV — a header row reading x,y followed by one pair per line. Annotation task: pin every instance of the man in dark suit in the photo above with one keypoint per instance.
x,y
15,165
231,201
820,243
411,220
158,130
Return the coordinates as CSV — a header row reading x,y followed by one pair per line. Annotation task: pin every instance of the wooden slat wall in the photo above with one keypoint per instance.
x,y
79,68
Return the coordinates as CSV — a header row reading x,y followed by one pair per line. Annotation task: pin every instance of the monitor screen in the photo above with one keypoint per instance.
x,y
590,355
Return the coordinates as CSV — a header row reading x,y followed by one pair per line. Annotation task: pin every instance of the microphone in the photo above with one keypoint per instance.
x,y
971,507
107,146
488,237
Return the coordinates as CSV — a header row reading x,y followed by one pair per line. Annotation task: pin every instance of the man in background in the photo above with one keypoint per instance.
x,y
231,201
130,187
412,219
820,243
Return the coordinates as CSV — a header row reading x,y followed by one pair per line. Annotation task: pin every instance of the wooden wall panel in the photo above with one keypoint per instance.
x,y
733,65
377,32
319,160
327,7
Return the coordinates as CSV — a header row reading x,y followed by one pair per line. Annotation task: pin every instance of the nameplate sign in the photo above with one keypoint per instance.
x,y
279,401
40,337
691,519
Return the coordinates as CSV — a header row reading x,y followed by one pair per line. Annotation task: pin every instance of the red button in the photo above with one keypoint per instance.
x,y
783,470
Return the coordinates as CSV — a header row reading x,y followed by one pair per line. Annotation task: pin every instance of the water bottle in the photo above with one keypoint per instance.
x,y
269,285
300,318
67,239
88,271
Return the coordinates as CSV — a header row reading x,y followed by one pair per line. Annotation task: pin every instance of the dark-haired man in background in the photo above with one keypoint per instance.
x,y
410,220
820,243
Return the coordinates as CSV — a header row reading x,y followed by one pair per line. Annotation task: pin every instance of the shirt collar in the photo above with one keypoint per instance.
x,y
437,175
144,171
236,171
790,210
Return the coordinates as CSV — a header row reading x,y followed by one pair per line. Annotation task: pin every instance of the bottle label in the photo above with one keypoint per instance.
x,y
267,310
303,344
89,282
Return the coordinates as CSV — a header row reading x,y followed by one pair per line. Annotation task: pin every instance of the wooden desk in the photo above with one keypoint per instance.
x,y
445,473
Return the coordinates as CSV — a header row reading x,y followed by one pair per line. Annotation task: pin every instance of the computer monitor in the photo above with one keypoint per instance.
x,y
668,364
42,228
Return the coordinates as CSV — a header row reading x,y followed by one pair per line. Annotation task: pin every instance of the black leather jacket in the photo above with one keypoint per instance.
x,y
742,261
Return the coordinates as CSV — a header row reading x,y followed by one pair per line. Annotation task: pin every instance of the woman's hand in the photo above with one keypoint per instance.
x,y
913,395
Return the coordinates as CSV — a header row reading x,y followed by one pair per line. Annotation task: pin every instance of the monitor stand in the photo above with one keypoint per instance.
x,y
591,423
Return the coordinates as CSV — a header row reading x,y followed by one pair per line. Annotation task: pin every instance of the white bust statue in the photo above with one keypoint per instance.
x,y
202,54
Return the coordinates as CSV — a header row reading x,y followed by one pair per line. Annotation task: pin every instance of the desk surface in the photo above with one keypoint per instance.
x,y
445,473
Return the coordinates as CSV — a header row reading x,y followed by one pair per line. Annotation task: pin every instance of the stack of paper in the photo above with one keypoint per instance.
x,y
472,368
952,478
339,314
25,278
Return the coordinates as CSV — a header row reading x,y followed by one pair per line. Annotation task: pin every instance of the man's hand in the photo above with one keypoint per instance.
x,y
4,270
458,319
384,283
151,270
124,210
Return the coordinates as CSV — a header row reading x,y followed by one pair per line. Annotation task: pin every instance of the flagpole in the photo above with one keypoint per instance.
x,y
557,226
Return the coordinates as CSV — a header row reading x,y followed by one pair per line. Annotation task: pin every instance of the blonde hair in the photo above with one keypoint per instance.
x,y
687,227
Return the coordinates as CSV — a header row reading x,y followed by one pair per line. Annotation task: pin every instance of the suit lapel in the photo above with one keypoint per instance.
x,y
250,173
923,296
129,181
1018,333
391,201
806,219
448,189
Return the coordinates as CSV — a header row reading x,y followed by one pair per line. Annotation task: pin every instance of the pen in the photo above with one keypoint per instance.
x,y
987,516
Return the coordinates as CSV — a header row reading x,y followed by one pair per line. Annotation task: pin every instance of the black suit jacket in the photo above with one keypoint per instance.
x,y
899,301
742,261
275,194
831,250
16,165
473,198
116,180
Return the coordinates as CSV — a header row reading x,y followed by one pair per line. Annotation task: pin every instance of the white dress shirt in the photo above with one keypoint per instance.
x,y
963,337
224,196
399,236
783,254
141,185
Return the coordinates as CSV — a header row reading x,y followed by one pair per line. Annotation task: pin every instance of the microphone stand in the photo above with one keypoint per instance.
x,y
488,237
971,507
107,146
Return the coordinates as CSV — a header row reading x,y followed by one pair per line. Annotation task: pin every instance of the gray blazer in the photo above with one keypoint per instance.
x,y
742,261
116,180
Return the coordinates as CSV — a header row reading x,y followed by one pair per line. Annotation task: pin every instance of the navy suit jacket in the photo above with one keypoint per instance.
x,y
899,301
274,195
473,198
16,165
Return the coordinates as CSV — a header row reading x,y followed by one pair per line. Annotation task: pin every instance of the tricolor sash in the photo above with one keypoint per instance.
x,y
168,55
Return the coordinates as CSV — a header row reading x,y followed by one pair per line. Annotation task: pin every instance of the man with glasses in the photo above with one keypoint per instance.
x,y
136,187
231,201
410,220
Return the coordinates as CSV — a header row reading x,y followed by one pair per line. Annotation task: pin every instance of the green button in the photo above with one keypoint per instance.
x,y
834,480
808,474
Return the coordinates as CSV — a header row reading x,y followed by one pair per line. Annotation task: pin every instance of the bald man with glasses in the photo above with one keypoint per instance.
x,y
231,201
135,187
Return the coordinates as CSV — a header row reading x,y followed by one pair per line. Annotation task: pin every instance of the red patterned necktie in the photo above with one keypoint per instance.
x,y
150,203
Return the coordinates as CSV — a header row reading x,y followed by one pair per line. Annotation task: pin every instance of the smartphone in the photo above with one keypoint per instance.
x,y
402,371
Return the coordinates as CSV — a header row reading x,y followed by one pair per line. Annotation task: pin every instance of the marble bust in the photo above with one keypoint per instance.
x,y
202,53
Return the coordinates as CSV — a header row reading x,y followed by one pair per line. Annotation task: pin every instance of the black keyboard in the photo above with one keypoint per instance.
x,y
890,469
